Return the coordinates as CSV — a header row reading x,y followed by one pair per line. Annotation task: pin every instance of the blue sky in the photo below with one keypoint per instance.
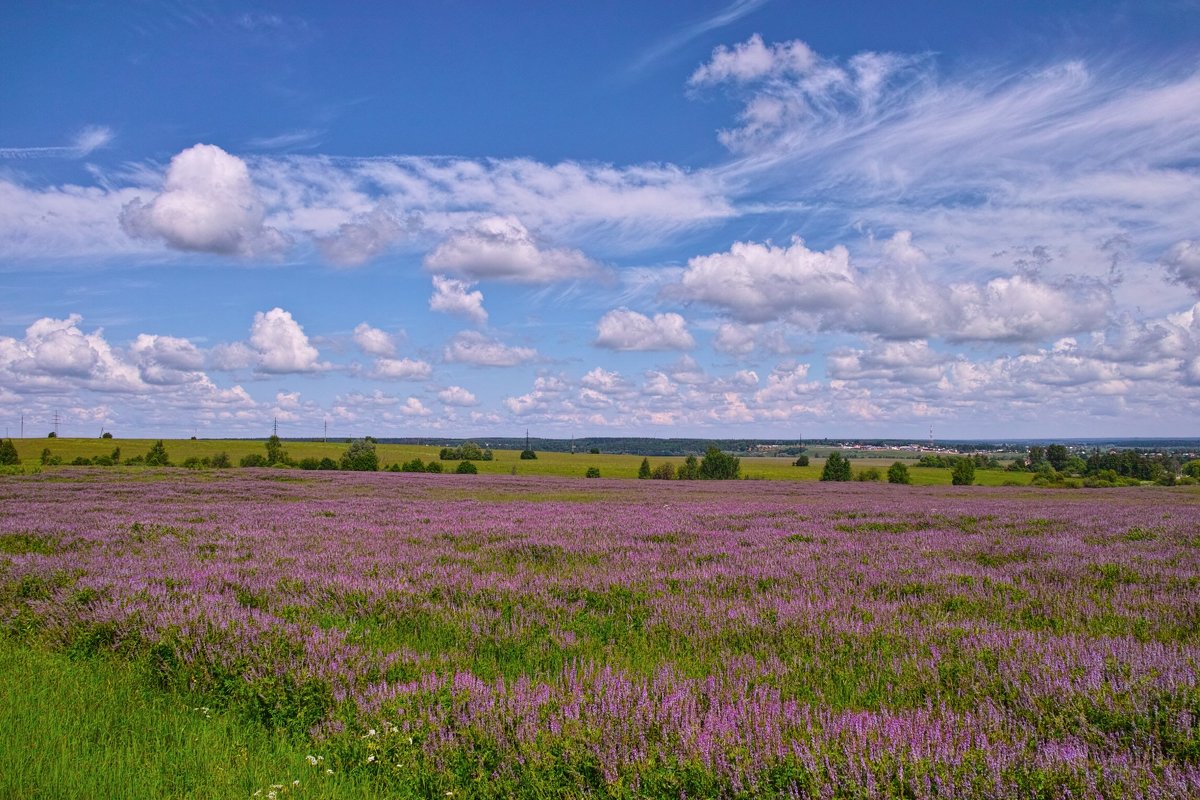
x,y
746,218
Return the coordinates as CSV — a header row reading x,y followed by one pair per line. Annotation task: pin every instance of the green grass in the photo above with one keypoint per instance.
x,y
571,465
89,728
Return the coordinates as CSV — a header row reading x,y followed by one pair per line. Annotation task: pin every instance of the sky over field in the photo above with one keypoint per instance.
x,y
750,218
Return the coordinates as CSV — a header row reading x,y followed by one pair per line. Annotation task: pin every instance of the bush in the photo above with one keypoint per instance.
x,y
8,453
311,462
802,461
416,465
220,461
275,452
466,468
528,455
592,472
51,435
837,468
253,460
327,463
718,466
434,466
81,461
898,473
664,472
467,451
595,451
157,457
360,457
49,459
869,474
964,472
194,462
103,461
689,470
106,435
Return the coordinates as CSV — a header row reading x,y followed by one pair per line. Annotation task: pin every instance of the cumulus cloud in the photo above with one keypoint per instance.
x,y
623,329
277,345
452,296
361,239
457,396
208,203
756,283
56,354
413,407
1183,264
501,248
166,360
472,347
401,369
373,341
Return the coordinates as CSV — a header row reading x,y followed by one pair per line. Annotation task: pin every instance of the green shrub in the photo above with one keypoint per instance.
x,y
8,453
466,468
802,461
157,456
718,466
433,466
528,455
644,469
964,472
593,472
360,456
869,474
898,473
663,472
837,468
253,460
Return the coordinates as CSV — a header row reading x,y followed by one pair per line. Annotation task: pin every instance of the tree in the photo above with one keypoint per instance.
x,y
689,470
868,474
595,451
719,466
644,469
1057,455
360,456
157,457
1037,454
664,472
8,453
51,435
837,468
275,452
964,472
253,460
528,455
593,472
898,473
802,461
466,468
1192,469
106,435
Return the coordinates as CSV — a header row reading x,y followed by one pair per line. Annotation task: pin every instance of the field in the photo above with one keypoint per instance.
x,y
494,636
557,464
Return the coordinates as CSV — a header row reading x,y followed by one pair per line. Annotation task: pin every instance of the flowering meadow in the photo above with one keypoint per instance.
x,y
493,636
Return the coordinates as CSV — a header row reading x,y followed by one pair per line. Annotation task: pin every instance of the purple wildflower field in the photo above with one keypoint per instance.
x,y
506,636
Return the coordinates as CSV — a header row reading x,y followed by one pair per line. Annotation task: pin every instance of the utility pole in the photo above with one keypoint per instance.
x,y
22,426
275,428
325,435
56,421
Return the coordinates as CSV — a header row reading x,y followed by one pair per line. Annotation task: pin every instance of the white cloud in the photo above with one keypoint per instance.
x,y
280,344
84,143
452,296
362,239
457,396
166,360
1183,264
413,407
472,347
761,282
401,369
208,204
501,248
56,355
623,329
373,341
605,381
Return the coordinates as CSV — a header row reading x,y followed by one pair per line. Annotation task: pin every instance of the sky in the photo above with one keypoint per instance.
x,y
757,218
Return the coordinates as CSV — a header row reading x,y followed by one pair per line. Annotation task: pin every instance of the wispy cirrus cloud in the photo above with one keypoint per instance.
x,y
84,143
